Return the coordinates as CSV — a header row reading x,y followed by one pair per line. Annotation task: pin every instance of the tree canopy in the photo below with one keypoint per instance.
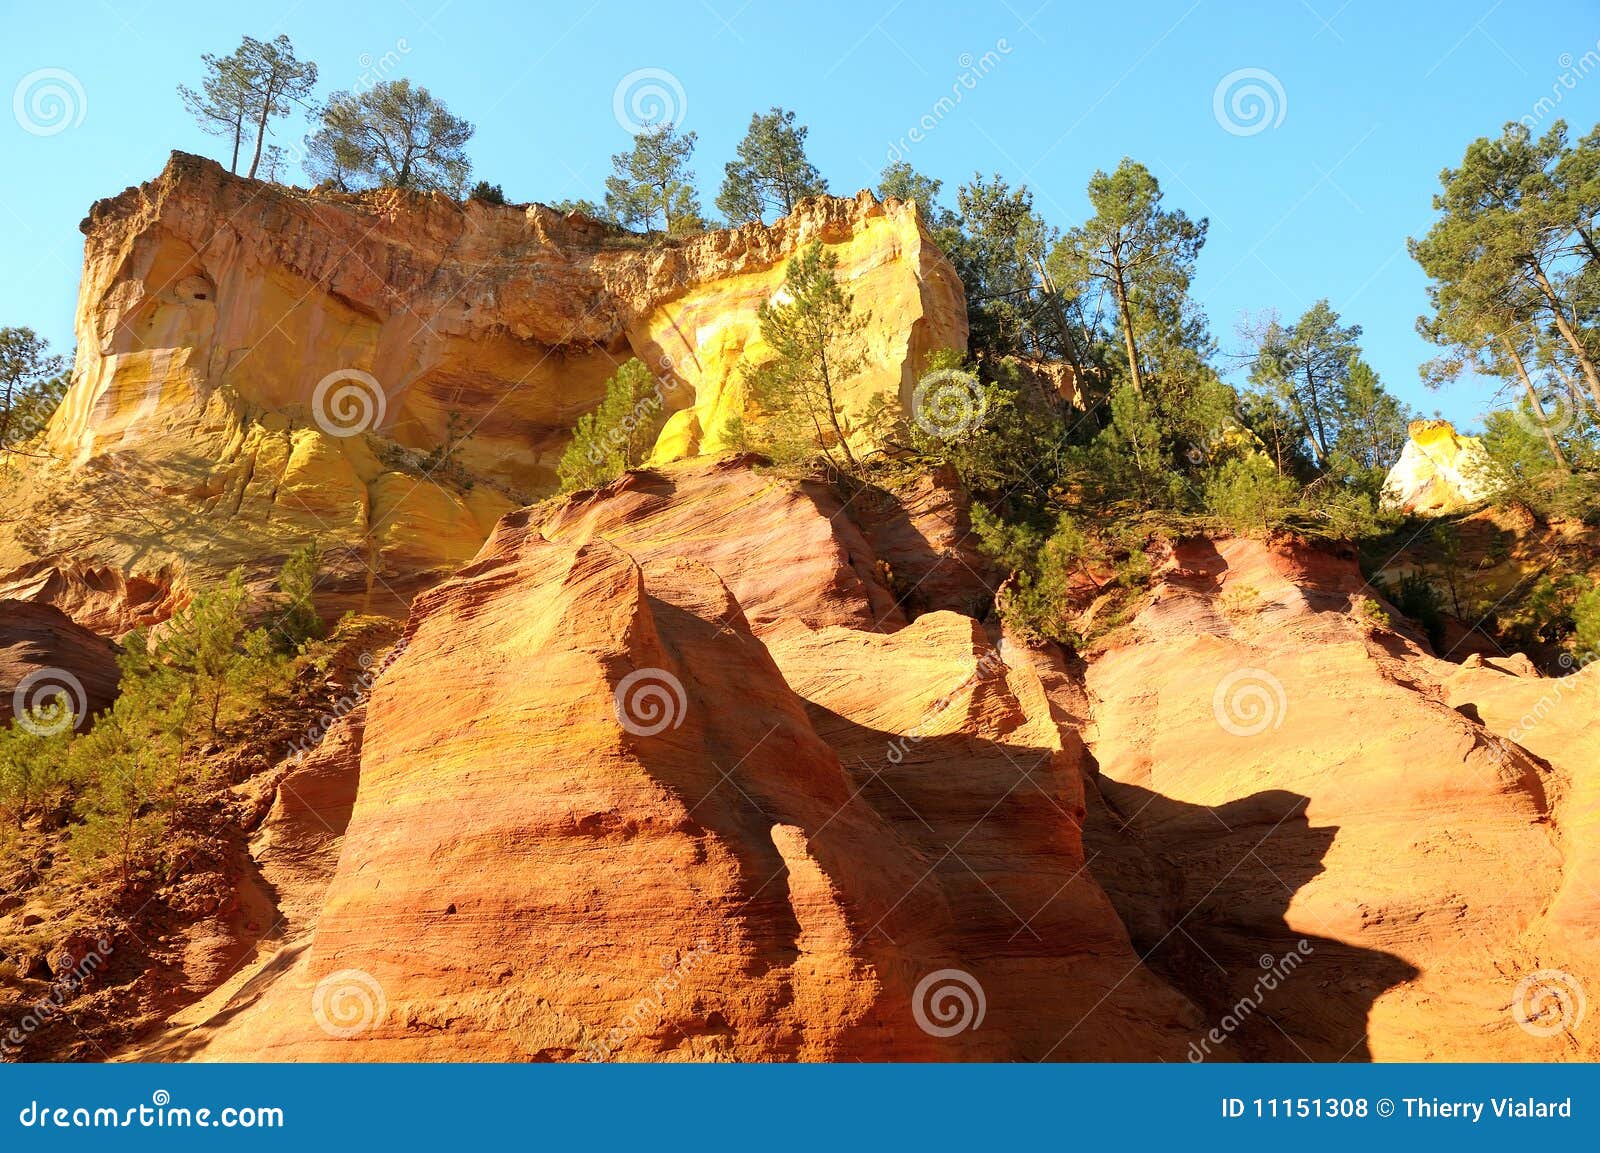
x,y
244,91
652,181
394,135
771,172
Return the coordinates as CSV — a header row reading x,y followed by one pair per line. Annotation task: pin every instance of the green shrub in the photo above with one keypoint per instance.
x,y
486,192
1586,624
1249,495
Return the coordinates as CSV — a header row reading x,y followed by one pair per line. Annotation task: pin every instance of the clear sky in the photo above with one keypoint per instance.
x,y
1311,194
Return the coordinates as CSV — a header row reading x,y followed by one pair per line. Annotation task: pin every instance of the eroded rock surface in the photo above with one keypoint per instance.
x,y
670,773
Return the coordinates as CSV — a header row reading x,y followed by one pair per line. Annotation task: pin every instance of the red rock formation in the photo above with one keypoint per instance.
x,y
644,804
1276,769
49,662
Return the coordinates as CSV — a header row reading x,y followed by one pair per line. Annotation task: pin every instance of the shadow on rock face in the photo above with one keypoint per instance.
x,y
1205,894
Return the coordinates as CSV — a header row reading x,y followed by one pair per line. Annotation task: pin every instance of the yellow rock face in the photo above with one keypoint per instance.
x,y
258,366
1439,471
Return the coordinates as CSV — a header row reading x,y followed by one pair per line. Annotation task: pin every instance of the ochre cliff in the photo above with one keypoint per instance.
x,y
670,772
1439,471
258,365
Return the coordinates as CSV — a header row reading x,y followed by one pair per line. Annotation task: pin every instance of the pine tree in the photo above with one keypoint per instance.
x,y
771,172
32,765
815,335
297,618
222,103
1514,246
32,382
616,436
1308,362
247,89
900,181
128,768
394,135
653,180
1137,251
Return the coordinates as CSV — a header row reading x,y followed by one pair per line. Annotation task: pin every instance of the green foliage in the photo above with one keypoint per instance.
x,y
815,335
487,193
1139,255
771,173
1551,485
392,135
1418,599
32,382
128,768
1586,625
1374,612
245,91
584,208
900,181
616,436
998,244
441,458
296,609
1008,439
32,765
652,180
1514,268
1249,495
1046,566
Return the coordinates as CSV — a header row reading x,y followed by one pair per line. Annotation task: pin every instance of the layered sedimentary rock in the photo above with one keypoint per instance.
x,y
716,799
1439,471
670,772
258,366
1285,781
50,663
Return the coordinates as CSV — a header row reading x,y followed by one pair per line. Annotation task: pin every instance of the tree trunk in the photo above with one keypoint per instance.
x,y
1125,313
238,139
833,415
1060,315
1319,433
261,127
1535,403
1585,361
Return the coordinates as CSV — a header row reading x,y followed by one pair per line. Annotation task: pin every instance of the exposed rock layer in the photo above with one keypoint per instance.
x,y
669,772
231,333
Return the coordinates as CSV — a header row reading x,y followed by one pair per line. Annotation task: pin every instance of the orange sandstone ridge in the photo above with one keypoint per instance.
x,y
669,773
258,365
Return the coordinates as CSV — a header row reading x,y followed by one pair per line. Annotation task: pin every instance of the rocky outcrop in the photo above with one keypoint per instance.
x,y
717,799
1439,471
1283,775
670,772
50,663
258,366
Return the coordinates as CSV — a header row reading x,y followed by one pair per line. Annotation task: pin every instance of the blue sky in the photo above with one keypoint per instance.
x,y
1365,103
